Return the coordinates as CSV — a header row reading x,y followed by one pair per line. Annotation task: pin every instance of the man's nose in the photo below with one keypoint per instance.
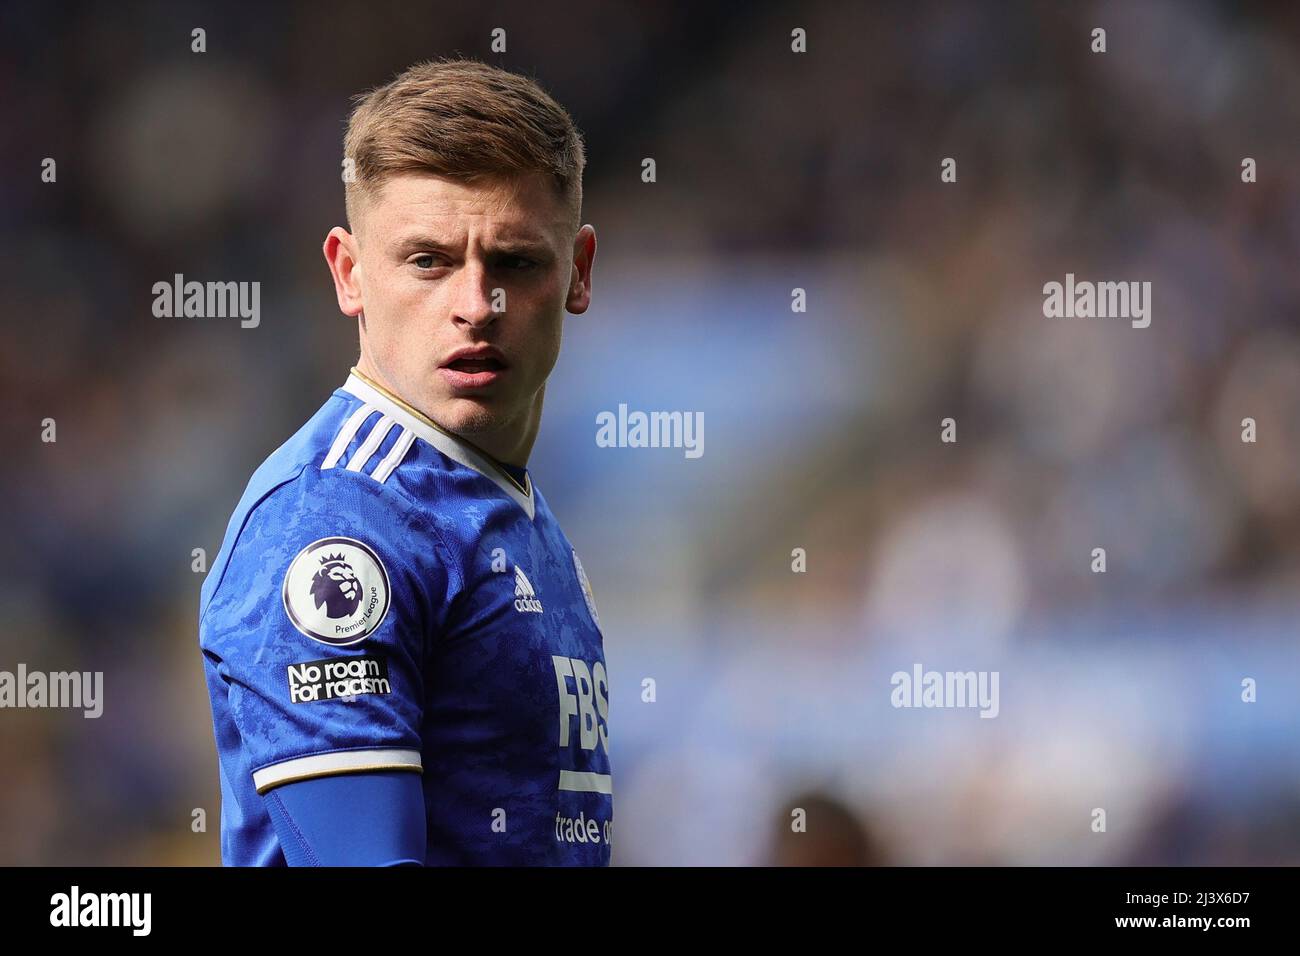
x,y
475,302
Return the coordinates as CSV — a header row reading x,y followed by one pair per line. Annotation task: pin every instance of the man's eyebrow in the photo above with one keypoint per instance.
x,y
510,237
509,243
405,244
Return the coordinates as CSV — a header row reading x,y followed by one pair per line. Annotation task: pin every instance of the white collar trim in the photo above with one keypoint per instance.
x,y
447,443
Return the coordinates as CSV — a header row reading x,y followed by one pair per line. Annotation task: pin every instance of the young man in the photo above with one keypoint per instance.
x,y
401,647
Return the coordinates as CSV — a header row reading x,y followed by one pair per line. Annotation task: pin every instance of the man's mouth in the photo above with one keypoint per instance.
x,y
476,365
474,369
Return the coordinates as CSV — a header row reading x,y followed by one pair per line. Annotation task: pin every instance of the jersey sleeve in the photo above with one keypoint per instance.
x,y
363,819
320,626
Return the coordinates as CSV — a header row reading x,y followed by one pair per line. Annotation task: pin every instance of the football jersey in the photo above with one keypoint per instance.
x,y
387,597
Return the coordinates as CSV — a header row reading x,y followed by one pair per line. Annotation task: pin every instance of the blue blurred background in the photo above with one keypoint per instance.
x,y
776,171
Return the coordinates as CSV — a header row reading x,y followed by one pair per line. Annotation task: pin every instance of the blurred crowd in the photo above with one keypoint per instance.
x,y
745,694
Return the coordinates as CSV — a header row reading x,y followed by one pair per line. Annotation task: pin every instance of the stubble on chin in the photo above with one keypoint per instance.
x,y
468,417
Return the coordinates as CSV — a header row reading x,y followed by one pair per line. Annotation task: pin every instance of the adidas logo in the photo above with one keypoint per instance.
x,y
525,596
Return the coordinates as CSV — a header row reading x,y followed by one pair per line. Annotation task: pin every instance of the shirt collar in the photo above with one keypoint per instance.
x,y
451,445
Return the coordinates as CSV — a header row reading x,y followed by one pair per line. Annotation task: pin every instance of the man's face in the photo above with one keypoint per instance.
x,y
462,291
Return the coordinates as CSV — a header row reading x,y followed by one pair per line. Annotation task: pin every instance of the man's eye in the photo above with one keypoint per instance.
x,y
518,263
423,262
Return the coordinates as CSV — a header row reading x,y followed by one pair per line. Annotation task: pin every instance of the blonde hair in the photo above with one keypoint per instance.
x,y
465,120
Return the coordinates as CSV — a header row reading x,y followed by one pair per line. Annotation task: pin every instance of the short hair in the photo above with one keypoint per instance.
x,y
465,120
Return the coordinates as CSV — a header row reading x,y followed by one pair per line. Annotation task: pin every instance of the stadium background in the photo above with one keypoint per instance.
x,y
819,171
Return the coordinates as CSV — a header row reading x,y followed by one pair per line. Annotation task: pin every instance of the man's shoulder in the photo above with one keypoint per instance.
x,y
336,471
346,453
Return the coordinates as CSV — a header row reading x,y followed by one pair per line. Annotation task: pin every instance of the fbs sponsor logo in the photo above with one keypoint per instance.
x,y
336,591
590,705
338,678
526,601
103,909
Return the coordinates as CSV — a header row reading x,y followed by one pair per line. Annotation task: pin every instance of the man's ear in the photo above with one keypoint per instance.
x,y
584,259
343,256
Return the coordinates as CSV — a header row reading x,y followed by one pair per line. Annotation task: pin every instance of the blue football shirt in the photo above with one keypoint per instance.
x,y
387,597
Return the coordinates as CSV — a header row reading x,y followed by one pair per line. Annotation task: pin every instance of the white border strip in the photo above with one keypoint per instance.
x,y
345,436
341,761
394,456
371,444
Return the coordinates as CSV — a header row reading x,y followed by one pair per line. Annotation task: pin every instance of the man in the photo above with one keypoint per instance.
x,y
401,647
